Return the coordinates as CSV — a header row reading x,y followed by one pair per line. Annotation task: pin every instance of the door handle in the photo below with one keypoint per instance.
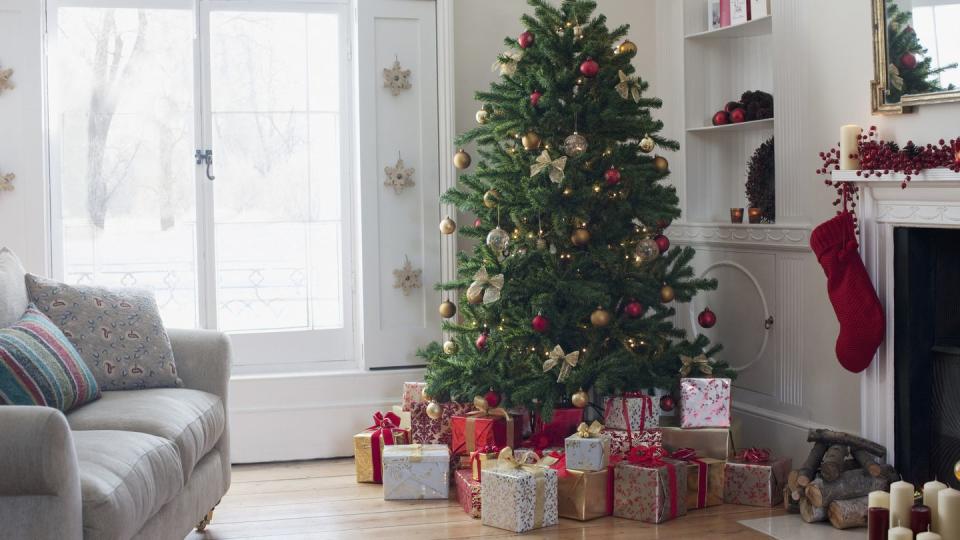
x,y
768,324
205,157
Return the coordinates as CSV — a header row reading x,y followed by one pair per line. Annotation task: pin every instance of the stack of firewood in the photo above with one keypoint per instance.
x,y
834,480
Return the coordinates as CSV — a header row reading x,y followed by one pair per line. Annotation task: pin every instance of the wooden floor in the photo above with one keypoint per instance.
x,y
321,499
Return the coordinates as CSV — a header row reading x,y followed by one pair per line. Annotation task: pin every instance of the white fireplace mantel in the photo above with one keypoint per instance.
x,y
932,200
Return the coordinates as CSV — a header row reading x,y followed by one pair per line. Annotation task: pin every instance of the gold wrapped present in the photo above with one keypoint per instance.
x,y
715,443
404,416
583,495
368,446
704,478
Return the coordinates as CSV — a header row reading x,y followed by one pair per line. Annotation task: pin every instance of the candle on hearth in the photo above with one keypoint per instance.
x,y
920,519
899,533
878,522
901,499
878,499
929,536
736,215
754,215
849,139
931,492
948,513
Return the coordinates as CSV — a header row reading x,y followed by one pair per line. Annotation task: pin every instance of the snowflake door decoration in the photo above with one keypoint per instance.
x,y
396,78
407,278
6,181
5,83
399,177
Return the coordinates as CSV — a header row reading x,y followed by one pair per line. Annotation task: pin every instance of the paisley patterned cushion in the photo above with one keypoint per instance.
x,y
118,332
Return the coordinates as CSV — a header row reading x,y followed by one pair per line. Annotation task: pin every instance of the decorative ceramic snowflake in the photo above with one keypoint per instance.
x,y
407,278
396,78
399,177
5,83
6,181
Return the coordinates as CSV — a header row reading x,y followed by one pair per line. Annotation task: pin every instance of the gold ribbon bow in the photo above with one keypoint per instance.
x,y
507,62
555,166
628,87
587,432
893,72
566,362
699,362
489,286
506,460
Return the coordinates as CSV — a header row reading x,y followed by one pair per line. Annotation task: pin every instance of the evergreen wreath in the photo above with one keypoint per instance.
x,y
761,184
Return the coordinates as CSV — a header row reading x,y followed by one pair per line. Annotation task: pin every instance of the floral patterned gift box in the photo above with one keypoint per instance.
x,y
704,403
412,393
633,411
468,492
622,441
416,471
754,478
518,497
588,449
649,487
368,446
426,430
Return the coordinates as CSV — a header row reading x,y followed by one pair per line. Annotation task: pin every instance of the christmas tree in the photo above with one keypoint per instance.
x,y
906,73
571,284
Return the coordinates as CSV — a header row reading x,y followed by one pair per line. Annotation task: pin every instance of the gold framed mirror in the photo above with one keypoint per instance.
x,y
916,52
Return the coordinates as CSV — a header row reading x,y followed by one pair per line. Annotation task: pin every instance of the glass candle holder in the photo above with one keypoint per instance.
x,y
736,215
754,215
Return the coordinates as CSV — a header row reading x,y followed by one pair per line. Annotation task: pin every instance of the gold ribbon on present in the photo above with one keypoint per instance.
x,y
593,430
489,286
484,410
566,361
700,362
417,455
628,87
506,460
555,166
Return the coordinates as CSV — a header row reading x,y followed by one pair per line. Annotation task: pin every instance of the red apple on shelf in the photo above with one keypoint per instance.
x,y
732,105
738,115
721,118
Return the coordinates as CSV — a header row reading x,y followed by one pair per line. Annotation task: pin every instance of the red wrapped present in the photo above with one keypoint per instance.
x,y
468,492
704,478
754,478
486,426
561,425
426,430
649,487
623,441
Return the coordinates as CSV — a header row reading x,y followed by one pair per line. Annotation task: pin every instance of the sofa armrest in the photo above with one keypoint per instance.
x,y
203,360
37,456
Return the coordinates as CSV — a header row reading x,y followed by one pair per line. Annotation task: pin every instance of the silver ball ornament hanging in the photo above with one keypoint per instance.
x,y
498,239
647,250
575,145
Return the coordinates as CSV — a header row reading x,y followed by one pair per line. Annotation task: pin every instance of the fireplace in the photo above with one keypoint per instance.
x,y
926,351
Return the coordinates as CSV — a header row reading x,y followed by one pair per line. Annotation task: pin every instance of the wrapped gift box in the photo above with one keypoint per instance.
x,y
477,460
704,479
412,393
755,479
368,446
582,495
468,492
715,443
416,471
518,498
633,411
652,493
472,431
705,403
622,441
404,416
426,430
561,424
588,449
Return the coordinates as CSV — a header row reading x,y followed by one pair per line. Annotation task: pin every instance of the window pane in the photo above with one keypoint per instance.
x,y
276,133
124,130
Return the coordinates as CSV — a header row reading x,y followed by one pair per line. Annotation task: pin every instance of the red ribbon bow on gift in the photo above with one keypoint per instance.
x,y
382,428
475,456
652,457
754,455
559,463
690,455
385,421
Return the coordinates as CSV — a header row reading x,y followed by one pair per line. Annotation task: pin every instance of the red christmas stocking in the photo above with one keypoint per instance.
x,y
852,294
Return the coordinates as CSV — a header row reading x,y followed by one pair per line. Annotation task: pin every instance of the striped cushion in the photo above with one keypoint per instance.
x,y
39,366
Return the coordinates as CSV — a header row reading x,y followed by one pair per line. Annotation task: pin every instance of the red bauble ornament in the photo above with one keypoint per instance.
x,y
721,118
492,398
481,342
589,68
663,224
525,40
738,115
634,309
540,324
908,60
666,403
662,242
535,97
612,176
477,222
707,318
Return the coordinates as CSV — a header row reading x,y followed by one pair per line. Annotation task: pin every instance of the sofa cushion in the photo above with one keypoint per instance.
x,y
125,478
13,291
190,419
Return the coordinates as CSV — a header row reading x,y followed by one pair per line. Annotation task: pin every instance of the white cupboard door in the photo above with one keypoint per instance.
x,y
398,224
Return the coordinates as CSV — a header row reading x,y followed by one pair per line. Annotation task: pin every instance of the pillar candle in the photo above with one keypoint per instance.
x,y
849,137
900,533
948,512
880,499
920,519
878,522
929,536
901,499
931,491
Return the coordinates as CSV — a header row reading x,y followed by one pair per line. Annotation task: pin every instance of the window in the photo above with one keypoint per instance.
x,y
137,87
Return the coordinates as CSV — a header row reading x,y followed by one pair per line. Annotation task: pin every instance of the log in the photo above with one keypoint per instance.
x,y
789,504
792,480
867,461
811,513
808,471
832,465
850,485
848,513
827,436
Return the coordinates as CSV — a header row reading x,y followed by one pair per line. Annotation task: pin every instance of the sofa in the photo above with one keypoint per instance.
x,y
146,464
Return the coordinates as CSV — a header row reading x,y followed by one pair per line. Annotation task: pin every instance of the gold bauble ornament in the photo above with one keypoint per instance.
x,y
666,294
475,295
580,399
600,317
483,116
647,144
627,47
434,410
461,159
447,309
450,347
580,237
448,225
424,396
956,470
491,198
531,141
646,250
661,164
